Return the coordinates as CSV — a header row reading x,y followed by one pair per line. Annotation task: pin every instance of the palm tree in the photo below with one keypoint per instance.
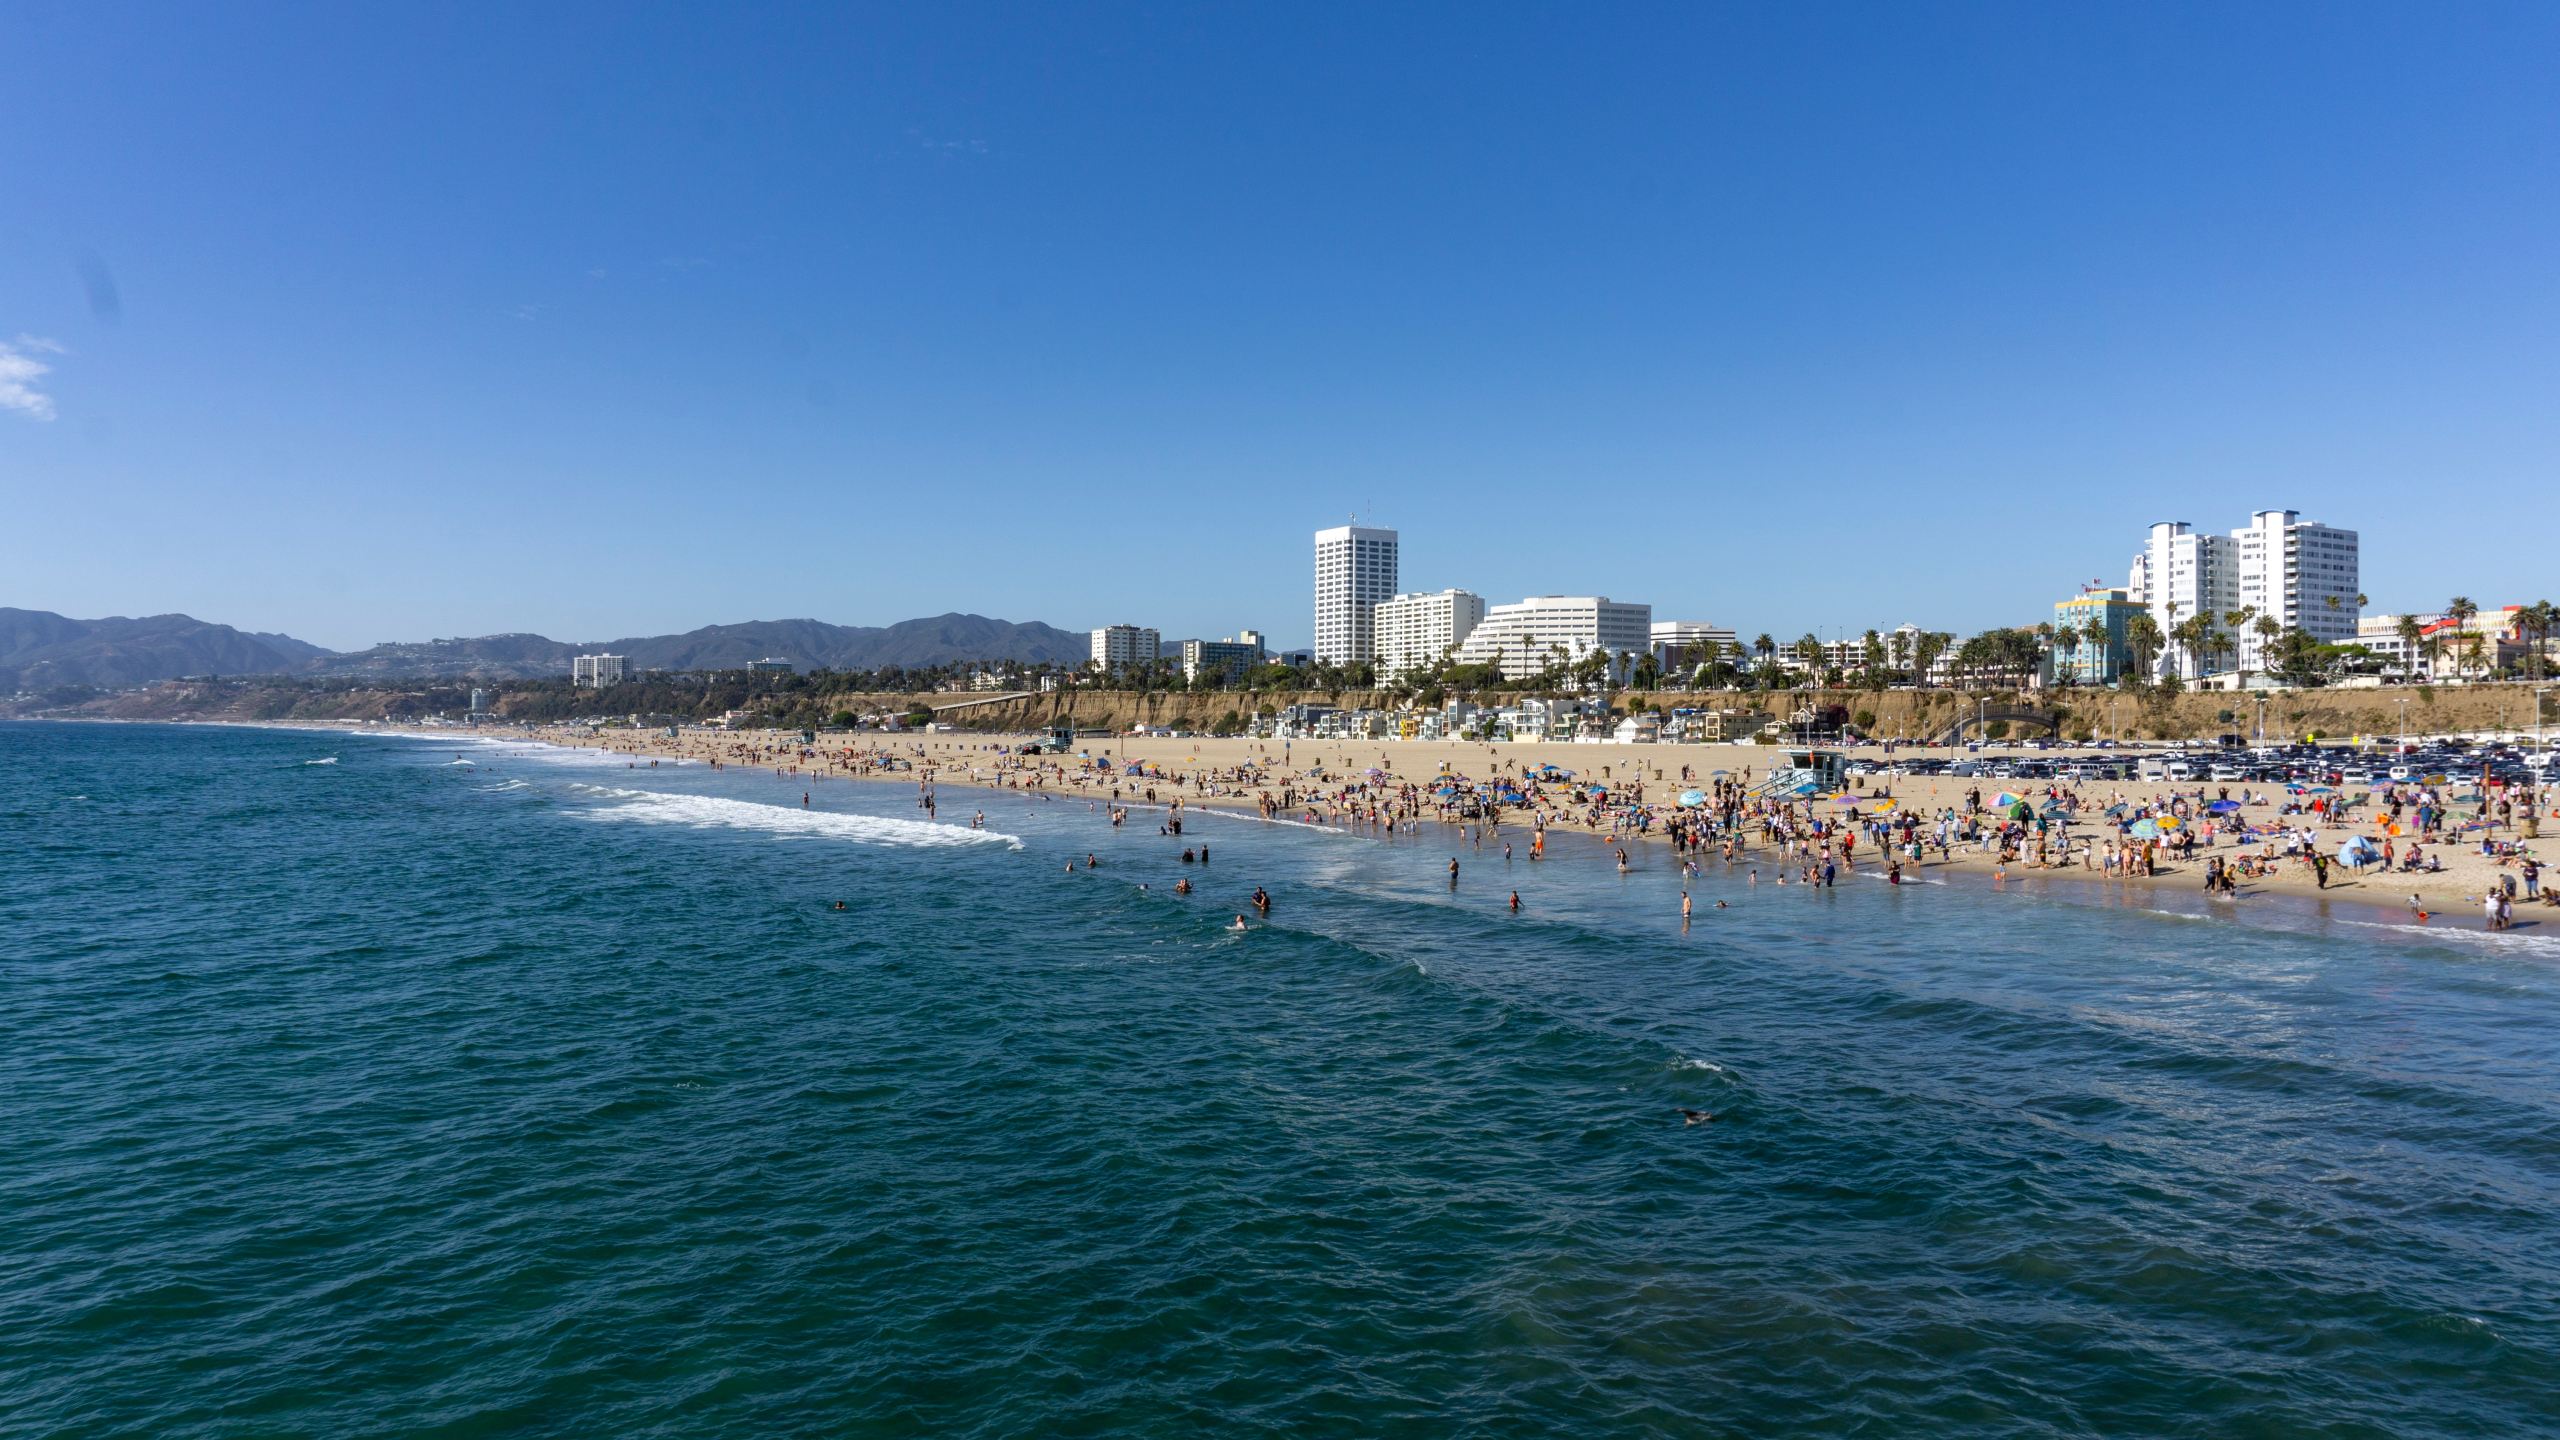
x,y
2269,627
2540,616
2097,636
2409,630
1871,657
2460,613
2064,642
2142,642
1902,650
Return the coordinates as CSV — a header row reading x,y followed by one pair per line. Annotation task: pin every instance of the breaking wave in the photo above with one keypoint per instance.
x,y
710,812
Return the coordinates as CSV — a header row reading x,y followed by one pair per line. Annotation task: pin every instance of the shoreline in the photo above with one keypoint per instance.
x,y
2453,904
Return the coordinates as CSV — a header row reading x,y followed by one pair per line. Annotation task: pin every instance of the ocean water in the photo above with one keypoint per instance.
x,y
348,1089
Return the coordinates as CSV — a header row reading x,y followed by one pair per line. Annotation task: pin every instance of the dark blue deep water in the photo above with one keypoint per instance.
x,y
538,1096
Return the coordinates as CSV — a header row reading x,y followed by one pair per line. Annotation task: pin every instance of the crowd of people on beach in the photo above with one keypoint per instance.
x,y
1798,836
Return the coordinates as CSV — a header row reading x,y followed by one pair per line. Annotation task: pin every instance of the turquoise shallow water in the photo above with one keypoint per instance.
x,y
396,1096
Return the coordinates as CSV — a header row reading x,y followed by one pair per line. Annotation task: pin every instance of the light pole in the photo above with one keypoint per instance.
x,y
2404,722
2538,742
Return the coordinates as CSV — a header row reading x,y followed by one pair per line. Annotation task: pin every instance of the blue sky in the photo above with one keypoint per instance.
x,y
377,321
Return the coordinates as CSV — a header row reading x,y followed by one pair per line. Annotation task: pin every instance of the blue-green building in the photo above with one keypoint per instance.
x,y
2080,660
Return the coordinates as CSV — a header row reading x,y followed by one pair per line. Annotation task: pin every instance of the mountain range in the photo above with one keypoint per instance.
x,y
39,649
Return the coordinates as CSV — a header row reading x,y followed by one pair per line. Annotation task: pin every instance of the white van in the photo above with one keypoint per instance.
x,y
2180,770
2155,769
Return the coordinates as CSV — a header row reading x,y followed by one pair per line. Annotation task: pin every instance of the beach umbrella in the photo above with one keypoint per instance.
x,y
2169,822
1881,805
2223,807
2021,811
2116,811
2322,790
1849,799
2144,830
2004,799
1693,797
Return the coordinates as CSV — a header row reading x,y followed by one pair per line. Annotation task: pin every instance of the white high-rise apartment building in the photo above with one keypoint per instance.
x,y
1355,570
1115,646
596,671
1411,631
2182,572
2305,575
1525,638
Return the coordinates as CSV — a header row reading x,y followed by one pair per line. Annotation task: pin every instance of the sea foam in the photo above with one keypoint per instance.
x,y
651,807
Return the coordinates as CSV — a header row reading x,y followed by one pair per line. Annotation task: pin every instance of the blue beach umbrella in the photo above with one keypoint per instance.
x,y
2223,807
2145,830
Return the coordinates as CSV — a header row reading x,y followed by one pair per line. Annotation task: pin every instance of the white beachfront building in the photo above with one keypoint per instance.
x,y
2305,575
596,671
1543,629
1118,646
2182,572
1410,631
1355,570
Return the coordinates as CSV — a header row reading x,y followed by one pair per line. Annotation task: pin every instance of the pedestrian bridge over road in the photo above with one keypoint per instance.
x,y
2018,716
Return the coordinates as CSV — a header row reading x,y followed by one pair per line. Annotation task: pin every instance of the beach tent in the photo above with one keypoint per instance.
x,y
2022,811
2358,850
2223,807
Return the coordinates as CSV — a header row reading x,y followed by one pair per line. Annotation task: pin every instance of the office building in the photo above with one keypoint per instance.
x,y
1559,630
1116,647
596,671
769,666
2304,575
1682,645
1355,570
1409,632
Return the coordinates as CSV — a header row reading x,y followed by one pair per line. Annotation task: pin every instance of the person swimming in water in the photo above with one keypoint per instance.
x,y
1690,1117
1239,925
1515,901
1261,900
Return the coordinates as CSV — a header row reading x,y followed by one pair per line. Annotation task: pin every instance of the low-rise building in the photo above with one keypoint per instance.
x,y
1225,660
2099,657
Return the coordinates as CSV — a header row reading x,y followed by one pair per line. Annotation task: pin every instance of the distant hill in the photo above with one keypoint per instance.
x,y
807,644
39,649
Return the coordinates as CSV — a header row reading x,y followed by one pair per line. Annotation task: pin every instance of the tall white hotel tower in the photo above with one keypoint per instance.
x,y
1355,569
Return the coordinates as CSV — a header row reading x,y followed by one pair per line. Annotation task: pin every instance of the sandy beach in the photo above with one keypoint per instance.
x,y
1243,774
